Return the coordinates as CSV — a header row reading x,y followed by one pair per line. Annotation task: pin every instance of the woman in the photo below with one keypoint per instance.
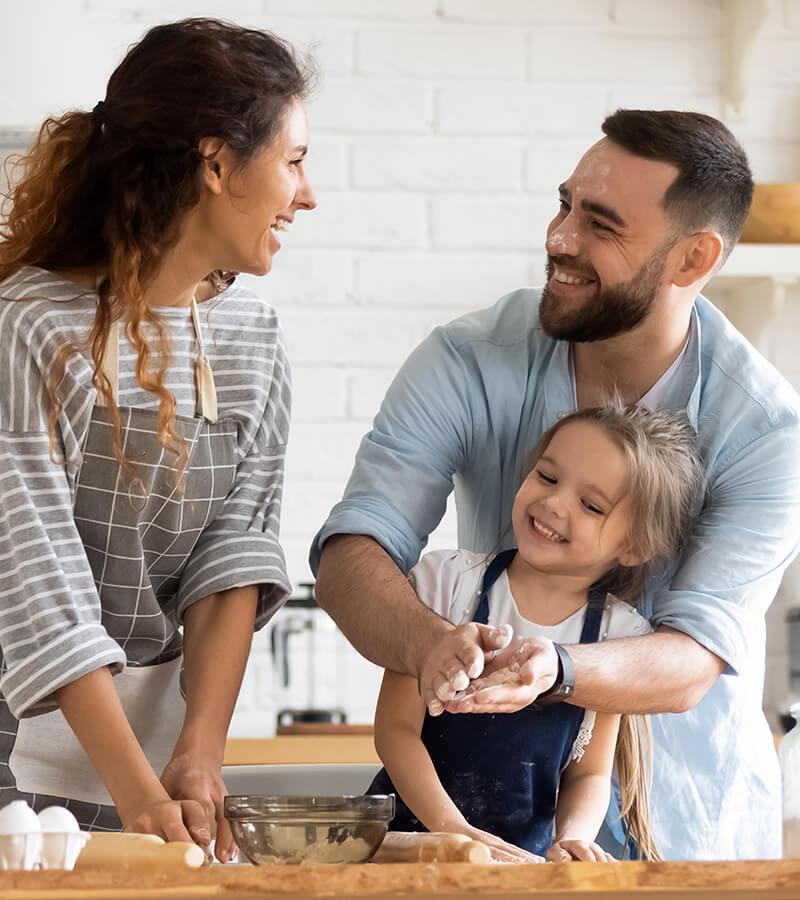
x,y
143,422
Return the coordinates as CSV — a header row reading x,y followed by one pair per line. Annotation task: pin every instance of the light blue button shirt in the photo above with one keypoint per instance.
x,y
465,410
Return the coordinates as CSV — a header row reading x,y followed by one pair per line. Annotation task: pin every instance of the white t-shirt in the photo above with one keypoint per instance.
x,y
449,583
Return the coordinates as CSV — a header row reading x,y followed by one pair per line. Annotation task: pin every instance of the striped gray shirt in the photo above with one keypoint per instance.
x,y
50,616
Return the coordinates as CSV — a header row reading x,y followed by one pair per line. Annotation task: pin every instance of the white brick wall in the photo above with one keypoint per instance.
x,y
439,132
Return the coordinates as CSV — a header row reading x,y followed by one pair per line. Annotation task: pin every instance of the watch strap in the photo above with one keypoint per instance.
x,y
564,685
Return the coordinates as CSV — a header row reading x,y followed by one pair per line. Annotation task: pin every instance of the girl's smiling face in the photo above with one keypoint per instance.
x,y
571,515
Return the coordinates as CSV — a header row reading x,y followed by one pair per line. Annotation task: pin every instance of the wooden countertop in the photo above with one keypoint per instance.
x,y
287,749
336,747
332,729
577,881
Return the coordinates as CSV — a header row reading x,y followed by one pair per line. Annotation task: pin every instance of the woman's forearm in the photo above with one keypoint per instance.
x,y
94,712
582,805
217,634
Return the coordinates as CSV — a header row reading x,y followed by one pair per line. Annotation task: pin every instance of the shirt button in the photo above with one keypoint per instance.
x,y
561,415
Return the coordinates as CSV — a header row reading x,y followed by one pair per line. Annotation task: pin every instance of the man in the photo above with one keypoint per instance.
x,y
649,214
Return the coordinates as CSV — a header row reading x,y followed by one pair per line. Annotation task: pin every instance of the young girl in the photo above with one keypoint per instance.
x,y
609,496
143,424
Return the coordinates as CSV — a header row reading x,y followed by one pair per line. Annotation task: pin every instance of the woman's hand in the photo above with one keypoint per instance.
x,y
193,777
502,851
169,819
568,849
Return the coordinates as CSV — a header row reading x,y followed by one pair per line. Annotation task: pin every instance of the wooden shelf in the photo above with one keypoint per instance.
x,y
771,261
752,288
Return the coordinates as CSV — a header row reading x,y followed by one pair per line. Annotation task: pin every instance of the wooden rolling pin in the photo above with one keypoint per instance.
x,y
412,846
138,851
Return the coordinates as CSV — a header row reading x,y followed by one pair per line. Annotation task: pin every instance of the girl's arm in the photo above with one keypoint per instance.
x,y
217,633
398,725
584,794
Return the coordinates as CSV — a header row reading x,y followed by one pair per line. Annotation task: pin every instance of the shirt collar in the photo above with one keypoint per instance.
x,y
684,391
559,397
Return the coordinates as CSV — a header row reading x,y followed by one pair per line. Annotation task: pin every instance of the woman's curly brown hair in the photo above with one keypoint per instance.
x,y
108,190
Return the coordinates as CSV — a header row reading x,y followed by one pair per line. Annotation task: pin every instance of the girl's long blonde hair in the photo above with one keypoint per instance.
x,y
665,486
108,190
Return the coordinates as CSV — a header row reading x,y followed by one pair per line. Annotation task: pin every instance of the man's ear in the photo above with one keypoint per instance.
x,y
213,170
699,255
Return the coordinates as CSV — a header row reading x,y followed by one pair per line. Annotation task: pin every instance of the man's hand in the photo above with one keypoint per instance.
x,y
456,659
512,680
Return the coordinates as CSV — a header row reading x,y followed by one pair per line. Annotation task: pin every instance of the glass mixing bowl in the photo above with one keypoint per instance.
x,y
309,831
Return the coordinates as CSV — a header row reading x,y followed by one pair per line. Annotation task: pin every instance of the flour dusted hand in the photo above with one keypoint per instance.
x,y
172,820
501,850
569,849
453,661
507,675
512,680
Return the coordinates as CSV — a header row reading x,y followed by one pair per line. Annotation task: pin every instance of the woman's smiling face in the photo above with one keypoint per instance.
x,y
259,199
571,514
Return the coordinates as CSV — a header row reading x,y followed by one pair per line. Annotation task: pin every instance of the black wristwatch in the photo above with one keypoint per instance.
x,y
564,685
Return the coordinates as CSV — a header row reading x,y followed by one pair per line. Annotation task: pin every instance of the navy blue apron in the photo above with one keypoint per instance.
x,y
502,770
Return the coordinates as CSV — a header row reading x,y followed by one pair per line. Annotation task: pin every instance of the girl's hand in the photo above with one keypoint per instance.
x,y
191,776
169,819
502,851
568,849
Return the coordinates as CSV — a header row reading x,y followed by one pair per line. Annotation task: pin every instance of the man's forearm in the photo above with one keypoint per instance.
x,y
370,599
656,673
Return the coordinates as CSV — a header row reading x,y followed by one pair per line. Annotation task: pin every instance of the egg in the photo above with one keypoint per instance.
x,y
58,820
18,818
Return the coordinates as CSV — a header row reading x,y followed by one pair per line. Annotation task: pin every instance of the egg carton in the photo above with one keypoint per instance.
x,y
51,840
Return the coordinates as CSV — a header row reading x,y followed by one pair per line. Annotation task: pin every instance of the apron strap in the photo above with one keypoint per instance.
x,y
593,618
495,569
206,389
109,365
204,376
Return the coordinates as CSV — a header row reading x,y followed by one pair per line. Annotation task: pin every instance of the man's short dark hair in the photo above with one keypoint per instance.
x,y
714,186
